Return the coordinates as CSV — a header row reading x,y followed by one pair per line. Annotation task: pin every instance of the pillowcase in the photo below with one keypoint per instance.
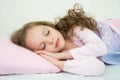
x,y
18,60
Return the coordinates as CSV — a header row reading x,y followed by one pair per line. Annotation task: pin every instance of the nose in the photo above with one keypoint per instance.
x,y
49,40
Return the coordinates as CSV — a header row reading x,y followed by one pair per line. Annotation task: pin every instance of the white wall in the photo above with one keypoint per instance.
x,y
15,13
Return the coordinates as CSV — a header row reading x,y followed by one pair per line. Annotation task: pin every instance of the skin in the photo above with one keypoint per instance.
x,y
44,38
50,44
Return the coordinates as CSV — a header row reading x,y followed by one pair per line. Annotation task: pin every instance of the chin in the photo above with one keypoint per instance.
x,y
57,50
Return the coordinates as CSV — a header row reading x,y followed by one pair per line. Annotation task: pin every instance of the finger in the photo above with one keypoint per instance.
x,y
40,52
51,59
47,53
59,64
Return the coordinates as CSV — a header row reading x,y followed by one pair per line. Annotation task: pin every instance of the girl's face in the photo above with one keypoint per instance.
x,y
44,38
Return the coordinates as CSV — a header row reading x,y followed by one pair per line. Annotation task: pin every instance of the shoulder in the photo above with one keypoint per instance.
x,y
79,30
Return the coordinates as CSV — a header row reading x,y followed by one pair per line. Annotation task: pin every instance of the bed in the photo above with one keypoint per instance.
x,y
112,72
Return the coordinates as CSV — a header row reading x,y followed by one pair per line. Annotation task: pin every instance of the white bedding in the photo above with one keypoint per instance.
x,y
111,73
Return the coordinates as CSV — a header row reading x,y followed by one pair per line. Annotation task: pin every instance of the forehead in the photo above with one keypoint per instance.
x,y
33,36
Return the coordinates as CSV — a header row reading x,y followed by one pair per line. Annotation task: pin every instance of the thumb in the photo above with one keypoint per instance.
x,y
48,54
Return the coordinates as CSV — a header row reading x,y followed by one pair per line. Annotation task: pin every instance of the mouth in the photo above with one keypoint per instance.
x,y
57,43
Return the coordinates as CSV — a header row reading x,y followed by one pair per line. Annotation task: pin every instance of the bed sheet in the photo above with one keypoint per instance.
x,y
111,73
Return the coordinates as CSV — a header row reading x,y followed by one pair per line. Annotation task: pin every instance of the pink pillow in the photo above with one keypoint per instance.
x,y
17,60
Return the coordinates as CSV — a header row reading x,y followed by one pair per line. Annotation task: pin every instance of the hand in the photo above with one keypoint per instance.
x,y
59,56
58,63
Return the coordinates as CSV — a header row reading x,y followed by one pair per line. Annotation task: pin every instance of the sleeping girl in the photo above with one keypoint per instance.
x,y
76,43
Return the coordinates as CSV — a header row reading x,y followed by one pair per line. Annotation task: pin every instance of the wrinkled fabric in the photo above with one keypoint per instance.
x,y
85,62
109,32
91,49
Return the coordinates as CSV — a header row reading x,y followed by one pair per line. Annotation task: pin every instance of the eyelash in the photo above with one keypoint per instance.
x,y
46,35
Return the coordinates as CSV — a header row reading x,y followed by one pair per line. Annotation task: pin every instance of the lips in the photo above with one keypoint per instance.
x,y
57,43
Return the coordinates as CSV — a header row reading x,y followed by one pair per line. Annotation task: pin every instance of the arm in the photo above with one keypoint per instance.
x,y
93,45
64,55
87,66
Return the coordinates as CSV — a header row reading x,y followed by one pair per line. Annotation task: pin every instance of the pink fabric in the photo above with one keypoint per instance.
x,y
89,47
92,44
87,66
17,60
115,22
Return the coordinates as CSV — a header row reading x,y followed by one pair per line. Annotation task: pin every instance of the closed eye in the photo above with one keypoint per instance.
x,y
47,33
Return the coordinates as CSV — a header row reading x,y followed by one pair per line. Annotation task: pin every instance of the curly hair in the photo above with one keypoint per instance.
x,y
75,17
